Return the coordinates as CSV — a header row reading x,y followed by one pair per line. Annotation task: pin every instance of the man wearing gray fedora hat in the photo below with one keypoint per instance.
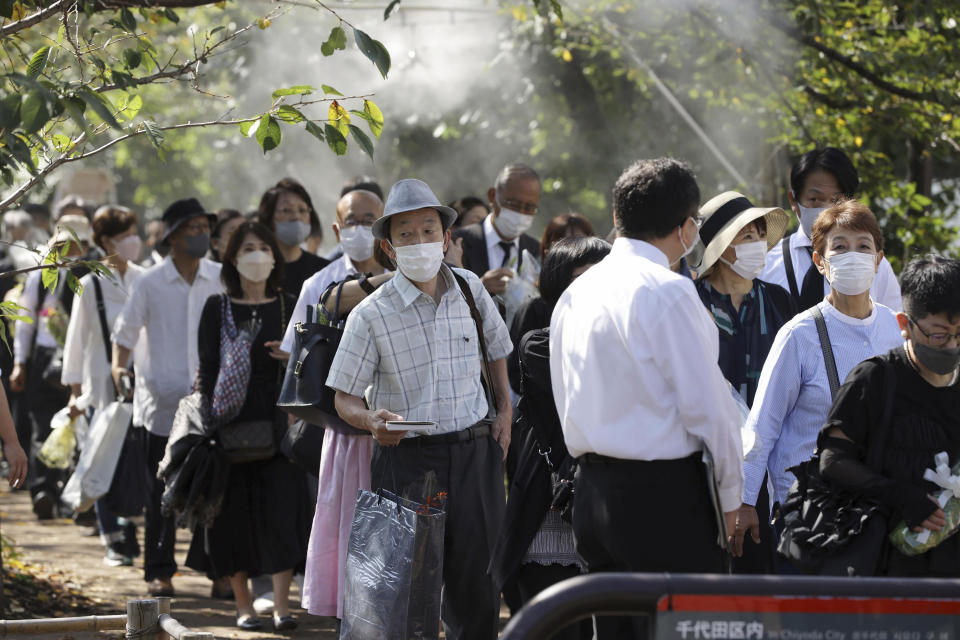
x,y
413,350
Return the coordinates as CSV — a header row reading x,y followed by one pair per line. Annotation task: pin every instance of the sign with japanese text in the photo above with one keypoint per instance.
x,y
695,617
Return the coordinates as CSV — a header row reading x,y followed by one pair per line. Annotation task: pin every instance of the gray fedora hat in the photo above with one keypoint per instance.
x,y
409,195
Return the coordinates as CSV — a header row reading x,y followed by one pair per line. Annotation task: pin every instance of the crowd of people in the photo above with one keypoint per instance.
x,y
611,396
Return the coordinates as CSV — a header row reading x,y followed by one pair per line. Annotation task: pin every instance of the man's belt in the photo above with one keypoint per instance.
x,y
479,430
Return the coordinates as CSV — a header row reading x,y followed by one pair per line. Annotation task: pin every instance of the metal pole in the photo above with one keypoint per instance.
x,y
143,619
197,635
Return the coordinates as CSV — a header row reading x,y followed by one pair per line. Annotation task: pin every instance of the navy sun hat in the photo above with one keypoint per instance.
x,y
182,211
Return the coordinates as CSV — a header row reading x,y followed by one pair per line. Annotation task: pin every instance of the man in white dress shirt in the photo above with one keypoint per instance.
x,y
166,302
633,361
818,179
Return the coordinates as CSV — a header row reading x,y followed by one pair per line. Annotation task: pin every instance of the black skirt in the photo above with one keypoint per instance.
x,y
263,526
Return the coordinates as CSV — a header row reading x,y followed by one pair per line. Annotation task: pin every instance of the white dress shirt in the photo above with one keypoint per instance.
x,y
313,288
633,361
494,250
169,309
885,289
793,396
23,337
84,356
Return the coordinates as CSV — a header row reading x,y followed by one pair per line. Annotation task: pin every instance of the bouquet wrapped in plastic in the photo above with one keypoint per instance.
x,y
57,450
912,543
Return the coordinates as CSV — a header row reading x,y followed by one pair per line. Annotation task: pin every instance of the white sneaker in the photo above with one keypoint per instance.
x,y
264,604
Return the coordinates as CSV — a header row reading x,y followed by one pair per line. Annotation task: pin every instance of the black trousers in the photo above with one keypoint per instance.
x,y
471,473
42,402
533,578
159,532
649,516
759,558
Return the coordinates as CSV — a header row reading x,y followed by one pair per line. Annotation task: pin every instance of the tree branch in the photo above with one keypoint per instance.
x,y
851,64
29,21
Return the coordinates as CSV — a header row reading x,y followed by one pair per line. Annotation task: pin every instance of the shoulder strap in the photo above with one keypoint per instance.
x,y
788,266
478,320
827,349
102,312
41,290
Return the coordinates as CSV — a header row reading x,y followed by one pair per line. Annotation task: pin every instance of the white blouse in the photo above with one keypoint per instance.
x,y
84,356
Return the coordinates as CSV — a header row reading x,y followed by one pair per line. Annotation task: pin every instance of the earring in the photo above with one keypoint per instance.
x,y
904,334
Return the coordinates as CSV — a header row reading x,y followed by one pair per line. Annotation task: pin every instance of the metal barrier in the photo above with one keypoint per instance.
x,y
639,594
145,619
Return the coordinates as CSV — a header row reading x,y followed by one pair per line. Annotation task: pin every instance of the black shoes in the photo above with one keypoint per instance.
x,y
45,505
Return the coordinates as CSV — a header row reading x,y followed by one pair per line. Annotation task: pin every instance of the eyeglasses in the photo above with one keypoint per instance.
x,y
198,227
936,339
349,224
523,207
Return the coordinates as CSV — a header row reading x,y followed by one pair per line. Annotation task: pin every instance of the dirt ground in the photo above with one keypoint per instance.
x,y
60,550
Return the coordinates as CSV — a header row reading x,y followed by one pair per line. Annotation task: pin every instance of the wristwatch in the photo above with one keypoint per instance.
x,y
365,284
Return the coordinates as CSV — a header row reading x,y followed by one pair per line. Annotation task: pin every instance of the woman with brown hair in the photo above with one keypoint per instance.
x,y
263,524
565,225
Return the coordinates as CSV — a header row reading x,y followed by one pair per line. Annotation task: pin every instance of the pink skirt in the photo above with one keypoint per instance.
x,y
344,469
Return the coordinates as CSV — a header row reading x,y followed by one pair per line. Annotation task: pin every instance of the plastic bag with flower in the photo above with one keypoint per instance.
x,y
913,543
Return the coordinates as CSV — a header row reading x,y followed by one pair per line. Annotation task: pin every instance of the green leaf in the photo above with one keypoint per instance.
x,y
315,130
336,40
131,58
330,91
557,9
374,117
171,15
10,111
338,117
268,133
374,50
38,62
61,143
154,133
50,276
390,7
76,108
99,106
298,90
362,139
6,8
34,112
128,20
74,283
289,114
132,106
335,139
217,29
249,128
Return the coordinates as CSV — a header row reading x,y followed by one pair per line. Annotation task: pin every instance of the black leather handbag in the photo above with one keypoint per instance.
x,y
302,444
828,530
248,440
304,393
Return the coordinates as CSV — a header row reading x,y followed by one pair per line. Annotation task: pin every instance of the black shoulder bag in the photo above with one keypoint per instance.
x,y
486,380
829,530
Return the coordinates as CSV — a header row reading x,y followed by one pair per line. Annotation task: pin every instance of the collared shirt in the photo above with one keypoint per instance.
x,y
38,313
633,362
793,398
421,360
745,335
884,290
169,309
84,355
310,293
494,250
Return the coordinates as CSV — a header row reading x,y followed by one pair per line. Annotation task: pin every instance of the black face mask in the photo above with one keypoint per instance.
x,y
939,361
196,246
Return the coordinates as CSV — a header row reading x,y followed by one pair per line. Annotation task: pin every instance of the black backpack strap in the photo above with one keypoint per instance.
x,y
102,312
791,276
478,320
827,349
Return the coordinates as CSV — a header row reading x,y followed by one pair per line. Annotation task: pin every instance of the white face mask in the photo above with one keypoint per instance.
x,y
255,266
851,273
129,248
751,259
808,215
511,223
686,250
419,262
357,242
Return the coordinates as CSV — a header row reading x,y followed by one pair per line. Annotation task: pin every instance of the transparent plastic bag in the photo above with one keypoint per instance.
x,y
523,286
913,543
394,570
58,449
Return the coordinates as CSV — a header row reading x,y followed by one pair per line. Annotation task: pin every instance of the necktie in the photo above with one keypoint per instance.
x,y
811,292
507,247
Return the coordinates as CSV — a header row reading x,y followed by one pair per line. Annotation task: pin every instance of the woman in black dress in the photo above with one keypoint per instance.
x,y
263,524
925,417
286,209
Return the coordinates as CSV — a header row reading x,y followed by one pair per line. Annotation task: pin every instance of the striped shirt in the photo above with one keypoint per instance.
x,y
405,353
793,397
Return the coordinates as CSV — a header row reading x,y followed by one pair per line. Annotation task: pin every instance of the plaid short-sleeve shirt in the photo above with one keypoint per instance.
x,y
421,360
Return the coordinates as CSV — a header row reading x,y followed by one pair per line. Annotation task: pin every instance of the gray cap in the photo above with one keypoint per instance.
x,y
409,195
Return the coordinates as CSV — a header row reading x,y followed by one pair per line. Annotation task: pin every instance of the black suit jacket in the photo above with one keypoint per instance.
x,y
475,248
